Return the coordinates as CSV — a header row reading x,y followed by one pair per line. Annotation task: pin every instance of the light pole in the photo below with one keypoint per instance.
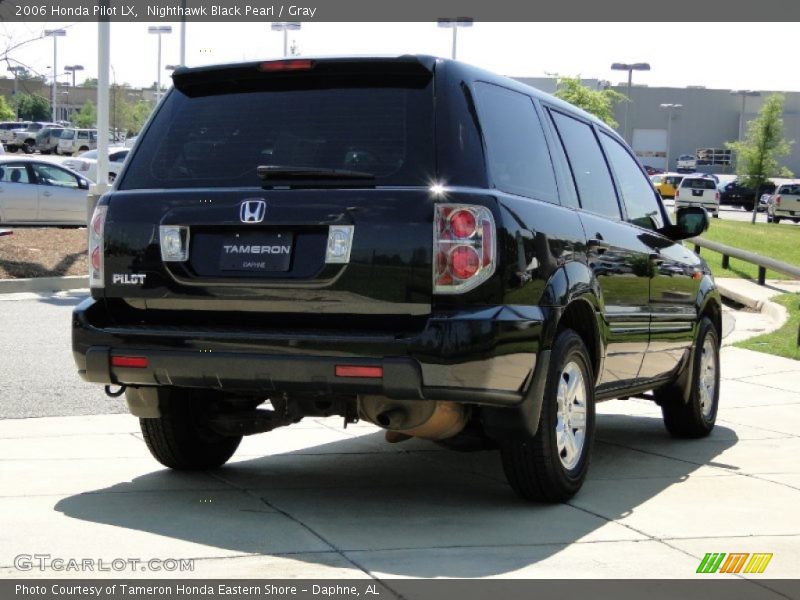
x,y
670,108
630,68
285,28
159,30
55,34
744,94
454,24
72,69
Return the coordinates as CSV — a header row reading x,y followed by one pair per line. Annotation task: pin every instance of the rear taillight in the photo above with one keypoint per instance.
x,y
463,247
716,196
84,166
96,262
677,193
777,200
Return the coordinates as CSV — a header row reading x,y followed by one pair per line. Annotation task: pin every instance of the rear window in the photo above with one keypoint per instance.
x,y
67,135
220,140
699,184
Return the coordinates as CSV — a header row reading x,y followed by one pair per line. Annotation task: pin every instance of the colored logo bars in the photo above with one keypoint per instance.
x,y
719,562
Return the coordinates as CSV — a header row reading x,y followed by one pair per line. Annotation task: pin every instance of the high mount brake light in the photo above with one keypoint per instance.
x,y
463,247
286,65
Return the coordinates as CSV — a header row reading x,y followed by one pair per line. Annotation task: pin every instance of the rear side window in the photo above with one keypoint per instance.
x,y
519,161
637,193
589,168
792,190
699,184
220,140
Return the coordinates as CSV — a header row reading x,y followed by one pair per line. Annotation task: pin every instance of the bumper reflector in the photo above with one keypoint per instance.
x,y
132,362
359,371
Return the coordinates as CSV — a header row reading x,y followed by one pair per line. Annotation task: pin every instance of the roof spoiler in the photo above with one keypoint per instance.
x,y
288,72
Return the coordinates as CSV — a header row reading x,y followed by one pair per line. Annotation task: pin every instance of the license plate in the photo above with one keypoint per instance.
x,y
256,251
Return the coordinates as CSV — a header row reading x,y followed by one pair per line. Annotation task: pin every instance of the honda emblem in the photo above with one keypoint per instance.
x,y
252,211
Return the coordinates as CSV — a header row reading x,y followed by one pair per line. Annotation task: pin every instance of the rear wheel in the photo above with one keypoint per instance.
x,y
695,418
27,147
552,465
180,438
776,220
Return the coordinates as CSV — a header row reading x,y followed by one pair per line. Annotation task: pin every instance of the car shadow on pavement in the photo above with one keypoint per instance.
x,y
378,504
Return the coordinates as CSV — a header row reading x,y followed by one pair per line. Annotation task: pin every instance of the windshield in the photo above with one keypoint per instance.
x,y
221,140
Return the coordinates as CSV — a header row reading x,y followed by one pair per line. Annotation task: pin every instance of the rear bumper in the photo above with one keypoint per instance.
x,y
482,356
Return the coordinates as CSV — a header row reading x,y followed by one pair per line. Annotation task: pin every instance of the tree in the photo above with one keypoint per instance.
x,y
7,112
32,107
90,82
757,156
86,117
600,103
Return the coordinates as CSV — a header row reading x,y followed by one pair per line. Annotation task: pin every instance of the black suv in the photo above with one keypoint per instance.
x,y
443,252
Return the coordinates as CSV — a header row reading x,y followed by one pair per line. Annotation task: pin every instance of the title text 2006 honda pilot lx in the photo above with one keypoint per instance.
x,y
409,241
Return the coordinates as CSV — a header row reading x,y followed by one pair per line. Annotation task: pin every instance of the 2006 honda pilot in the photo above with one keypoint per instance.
x,y
410,241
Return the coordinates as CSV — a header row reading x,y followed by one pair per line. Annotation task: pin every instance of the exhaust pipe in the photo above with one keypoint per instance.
x,y
404,419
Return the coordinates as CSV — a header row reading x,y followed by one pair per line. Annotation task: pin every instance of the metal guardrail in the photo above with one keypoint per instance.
x,y
763,262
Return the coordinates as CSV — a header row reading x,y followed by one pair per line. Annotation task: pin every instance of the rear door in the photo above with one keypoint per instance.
x,y
19,198
617,256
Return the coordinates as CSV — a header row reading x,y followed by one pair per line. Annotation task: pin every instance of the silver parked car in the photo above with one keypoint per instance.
x,y
39,192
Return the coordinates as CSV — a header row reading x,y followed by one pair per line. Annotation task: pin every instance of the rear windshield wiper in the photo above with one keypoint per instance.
x,y
270,173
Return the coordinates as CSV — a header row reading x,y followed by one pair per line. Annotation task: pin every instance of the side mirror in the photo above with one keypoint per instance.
x,y
690,221
83,184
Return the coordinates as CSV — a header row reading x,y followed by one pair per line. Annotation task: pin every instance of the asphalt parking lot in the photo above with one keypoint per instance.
x,y
319,501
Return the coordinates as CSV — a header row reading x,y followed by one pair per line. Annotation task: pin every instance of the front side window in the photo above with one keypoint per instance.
x,y
519,161
637,194
52,175
589,168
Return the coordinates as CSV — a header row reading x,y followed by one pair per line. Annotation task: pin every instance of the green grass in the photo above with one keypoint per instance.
x,y
782,342
779,242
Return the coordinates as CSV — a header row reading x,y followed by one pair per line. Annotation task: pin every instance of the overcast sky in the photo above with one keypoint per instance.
x,y
711,54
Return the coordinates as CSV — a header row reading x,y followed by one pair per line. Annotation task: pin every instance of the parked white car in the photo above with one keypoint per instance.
x,y
686,163
784,203
41,192
76,140
698,191
86,163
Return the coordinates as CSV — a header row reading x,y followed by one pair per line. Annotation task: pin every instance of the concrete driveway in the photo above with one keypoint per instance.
x,y
317,500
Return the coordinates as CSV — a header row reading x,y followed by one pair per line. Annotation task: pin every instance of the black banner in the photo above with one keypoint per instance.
x,y
389,589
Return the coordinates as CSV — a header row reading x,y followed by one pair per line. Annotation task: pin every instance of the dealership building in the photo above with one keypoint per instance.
x,y
706,120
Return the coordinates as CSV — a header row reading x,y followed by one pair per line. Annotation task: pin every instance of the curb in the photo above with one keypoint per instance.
x,y
44,284
774,312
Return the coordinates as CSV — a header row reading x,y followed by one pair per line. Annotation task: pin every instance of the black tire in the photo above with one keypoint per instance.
x,y
180,439
534,466
111,177
695,418
27,148
776,220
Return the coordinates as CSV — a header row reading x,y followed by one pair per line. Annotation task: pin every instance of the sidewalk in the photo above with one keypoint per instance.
x,y
316,500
